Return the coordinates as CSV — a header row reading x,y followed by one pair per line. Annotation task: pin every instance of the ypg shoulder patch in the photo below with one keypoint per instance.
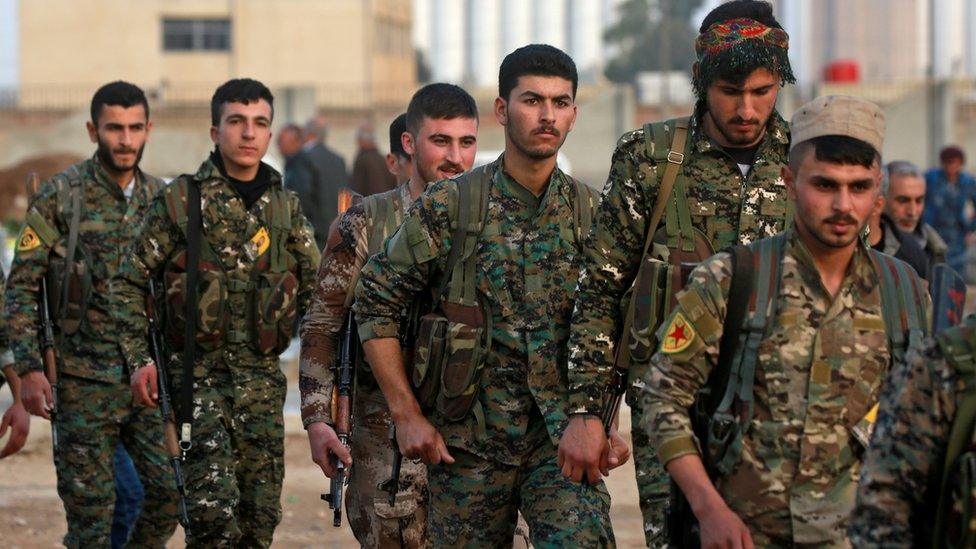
x,y
261,241
28,239
679,335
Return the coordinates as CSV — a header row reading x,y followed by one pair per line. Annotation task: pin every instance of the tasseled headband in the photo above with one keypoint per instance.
x,y
745,44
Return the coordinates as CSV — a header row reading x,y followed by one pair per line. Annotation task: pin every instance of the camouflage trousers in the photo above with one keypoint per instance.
x,y
374,522
653,482
93,418
474,502
235,466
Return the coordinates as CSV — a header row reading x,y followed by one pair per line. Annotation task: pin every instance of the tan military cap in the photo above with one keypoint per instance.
x,y
839,115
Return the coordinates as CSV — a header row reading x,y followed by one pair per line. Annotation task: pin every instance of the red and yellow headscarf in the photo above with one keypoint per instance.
x,y
741,45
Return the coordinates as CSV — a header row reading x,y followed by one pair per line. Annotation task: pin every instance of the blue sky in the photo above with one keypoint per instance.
x,y
8,43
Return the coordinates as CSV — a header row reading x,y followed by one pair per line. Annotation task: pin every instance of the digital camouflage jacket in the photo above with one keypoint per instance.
x,y
726,207
235,236
528,256
108,225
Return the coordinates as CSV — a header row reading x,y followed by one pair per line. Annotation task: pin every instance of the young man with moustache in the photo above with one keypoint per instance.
x,y
89,215
439,133
499,246
826,318
255,271
724,188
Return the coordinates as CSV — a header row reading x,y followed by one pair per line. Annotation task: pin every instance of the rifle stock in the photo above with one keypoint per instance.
x,y
173,448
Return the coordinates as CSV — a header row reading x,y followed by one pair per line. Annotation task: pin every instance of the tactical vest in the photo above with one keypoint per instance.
x,y
726,401
384,215
271,286
454,341
70,282
671,249
955,519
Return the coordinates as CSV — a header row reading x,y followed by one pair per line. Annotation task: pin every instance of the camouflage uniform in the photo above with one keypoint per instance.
x,y
95,403
918,406
235,466
374,522
527,269
727,207
818,374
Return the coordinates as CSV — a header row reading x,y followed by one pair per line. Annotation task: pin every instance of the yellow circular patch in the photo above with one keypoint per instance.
x,y
28,240
678,336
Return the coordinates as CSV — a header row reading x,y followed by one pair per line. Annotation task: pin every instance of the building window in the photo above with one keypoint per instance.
x,y
196,34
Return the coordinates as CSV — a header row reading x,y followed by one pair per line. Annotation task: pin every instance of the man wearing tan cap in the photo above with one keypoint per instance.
x,y
806,337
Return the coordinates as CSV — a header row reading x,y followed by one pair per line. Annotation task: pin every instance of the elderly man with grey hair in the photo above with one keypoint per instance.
x,y
886,233
905,194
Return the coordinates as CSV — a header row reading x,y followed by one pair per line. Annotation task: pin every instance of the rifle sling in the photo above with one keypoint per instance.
x,y
193,235
737,306
675,157
69,258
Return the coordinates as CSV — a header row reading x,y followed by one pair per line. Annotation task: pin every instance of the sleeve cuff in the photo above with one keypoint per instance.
x,y
6,358
316,418
676,447
581,403
377,329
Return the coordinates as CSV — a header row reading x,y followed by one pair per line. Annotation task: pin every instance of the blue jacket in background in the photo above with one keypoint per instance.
x,y
945,211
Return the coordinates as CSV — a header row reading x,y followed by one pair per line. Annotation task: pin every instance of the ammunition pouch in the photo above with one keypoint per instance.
x,y
213,319
273,311
428,357
451,353
79,282
664,275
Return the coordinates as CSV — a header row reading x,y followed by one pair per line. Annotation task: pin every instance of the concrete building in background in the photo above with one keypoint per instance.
x,y
464,41
337,53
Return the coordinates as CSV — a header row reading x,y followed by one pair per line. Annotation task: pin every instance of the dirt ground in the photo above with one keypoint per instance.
x,y
31,514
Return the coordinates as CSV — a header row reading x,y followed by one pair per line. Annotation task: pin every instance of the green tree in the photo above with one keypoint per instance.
x,y
651,35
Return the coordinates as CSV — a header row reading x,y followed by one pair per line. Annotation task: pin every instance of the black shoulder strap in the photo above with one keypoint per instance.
x,y
193,236
737,306
76,188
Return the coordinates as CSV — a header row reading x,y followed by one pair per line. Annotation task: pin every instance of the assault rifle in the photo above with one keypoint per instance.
x,y
408,338
173,447
49,353
50,356
344,373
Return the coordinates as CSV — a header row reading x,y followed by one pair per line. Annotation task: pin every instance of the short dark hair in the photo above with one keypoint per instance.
x,y
952,152
836,149
397,127
118,93
439,101
735,66
535,60
238,90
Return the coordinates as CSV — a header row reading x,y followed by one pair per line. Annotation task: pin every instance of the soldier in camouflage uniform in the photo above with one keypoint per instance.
x,y
109,195
257,254
899,492
818,365
489,441
439,131
734,194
